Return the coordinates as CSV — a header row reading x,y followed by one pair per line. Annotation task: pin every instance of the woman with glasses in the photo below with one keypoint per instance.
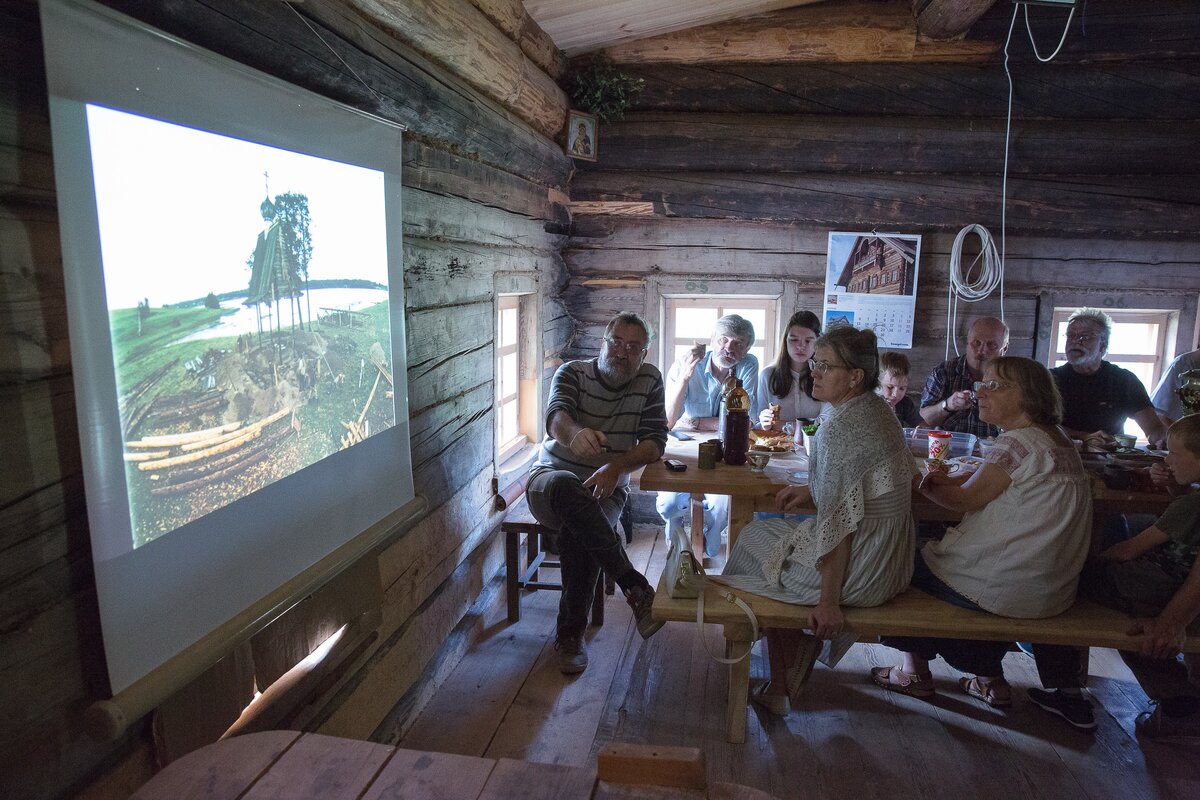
x,y
1018,552
785,387
857,550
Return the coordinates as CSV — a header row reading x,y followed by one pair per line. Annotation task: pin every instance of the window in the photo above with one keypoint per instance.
x,y
515,374
1138,343
692,319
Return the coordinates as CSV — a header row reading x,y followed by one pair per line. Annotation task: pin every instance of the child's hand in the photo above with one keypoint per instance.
x,y
1161,637
1161,475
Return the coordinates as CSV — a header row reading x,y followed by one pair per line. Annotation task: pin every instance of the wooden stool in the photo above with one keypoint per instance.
x,y
536,557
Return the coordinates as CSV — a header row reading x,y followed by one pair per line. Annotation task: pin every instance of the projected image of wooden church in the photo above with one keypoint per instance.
x,y
880,265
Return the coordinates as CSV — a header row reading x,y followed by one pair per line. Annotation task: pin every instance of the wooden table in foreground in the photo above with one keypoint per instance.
x,y
307,766
755,491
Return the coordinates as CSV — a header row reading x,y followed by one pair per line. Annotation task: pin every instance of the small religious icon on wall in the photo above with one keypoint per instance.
x,y
581,135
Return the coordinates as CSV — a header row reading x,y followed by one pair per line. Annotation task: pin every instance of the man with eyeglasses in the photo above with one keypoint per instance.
x,y
948,401
1098,396
1166,400
695,386
605,419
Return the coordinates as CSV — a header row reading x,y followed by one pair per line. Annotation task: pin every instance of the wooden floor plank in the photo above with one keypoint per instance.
x,y
485,683
553,719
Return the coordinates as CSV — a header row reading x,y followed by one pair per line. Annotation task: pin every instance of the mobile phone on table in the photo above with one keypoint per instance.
x,y
675,465
680,435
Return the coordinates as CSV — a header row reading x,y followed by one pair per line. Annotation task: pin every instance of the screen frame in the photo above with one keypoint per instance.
x,y
188,582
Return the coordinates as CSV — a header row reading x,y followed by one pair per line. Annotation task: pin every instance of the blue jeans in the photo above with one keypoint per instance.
x,y
673,508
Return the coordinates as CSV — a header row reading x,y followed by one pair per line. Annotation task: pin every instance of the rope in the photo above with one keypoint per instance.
x,y
980,279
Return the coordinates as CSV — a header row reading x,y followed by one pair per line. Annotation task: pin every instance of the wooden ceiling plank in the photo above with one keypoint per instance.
x,y
948,19
855,31
582,27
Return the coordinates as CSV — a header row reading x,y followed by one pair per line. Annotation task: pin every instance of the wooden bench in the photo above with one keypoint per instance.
x,y
912,613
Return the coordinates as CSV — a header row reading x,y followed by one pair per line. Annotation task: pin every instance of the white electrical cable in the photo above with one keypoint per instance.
x,y
973,289
1066,28
980,279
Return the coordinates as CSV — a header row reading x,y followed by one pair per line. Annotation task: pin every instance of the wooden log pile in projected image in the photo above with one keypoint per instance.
x,y
182,462
134,405
358,430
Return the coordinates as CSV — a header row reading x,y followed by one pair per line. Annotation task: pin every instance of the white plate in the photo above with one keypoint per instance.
x,y
966,463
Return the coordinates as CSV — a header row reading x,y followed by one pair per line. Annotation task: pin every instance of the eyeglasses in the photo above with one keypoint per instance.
x,y
991,386
1083,338
987,347
628,347
823,367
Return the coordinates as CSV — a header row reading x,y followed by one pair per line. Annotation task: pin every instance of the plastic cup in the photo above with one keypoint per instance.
x,y
939,445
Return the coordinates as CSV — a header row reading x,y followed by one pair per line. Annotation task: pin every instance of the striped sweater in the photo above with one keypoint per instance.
x,y
628,415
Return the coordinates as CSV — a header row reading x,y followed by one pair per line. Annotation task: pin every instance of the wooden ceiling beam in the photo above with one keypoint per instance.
x,y
941,20
859,30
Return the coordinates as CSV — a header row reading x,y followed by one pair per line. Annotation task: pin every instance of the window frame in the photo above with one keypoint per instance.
x,y
511,458
668,340
1165,319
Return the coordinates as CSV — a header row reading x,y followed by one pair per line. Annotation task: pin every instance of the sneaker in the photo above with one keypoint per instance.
x,y
1076,710
572,655
1155,724
640,599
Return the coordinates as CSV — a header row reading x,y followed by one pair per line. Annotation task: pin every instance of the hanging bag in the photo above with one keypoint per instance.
x,y
685,580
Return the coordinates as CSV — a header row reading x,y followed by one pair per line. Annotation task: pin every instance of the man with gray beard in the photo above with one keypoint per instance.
x,y
695,385
605,419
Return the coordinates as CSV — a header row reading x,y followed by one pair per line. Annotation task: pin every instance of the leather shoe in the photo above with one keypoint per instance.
x,y
640,599
572,654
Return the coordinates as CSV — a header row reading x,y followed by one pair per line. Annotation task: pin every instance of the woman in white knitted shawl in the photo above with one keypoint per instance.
x,y
858,549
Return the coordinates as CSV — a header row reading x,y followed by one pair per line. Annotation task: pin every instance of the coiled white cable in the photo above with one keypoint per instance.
x,y
979,280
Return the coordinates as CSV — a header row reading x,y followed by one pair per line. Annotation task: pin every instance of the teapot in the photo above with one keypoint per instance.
x,y
1187,386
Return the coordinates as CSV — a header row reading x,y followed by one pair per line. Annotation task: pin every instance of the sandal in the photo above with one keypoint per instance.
x,y
897,680
996,693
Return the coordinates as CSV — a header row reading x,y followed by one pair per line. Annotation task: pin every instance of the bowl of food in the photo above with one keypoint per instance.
x,y
1124,441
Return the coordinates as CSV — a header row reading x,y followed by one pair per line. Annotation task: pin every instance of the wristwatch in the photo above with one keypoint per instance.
x,y
945,407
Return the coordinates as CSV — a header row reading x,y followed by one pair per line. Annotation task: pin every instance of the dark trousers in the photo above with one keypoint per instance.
x,y
1142,588
1059,667
587,541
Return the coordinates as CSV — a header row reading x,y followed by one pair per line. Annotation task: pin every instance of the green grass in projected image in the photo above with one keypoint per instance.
x,y
209,420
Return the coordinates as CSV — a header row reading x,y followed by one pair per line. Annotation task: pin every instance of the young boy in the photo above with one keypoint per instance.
x,y
893,386
1154,576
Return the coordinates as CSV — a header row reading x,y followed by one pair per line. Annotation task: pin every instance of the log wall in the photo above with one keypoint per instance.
x,y
480,175
741,168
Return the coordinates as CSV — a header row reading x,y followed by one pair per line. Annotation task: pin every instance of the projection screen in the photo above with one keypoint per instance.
x,y
234,281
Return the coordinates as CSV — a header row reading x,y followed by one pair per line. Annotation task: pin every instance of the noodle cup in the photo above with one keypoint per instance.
x,y
939,445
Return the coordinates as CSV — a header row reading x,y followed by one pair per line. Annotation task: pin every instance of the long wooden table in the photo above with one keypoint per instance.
x,y
755,491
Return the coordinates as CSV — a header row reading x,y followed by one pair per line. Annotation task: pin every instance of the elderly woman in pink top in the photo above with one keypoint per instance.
x,y
1019,549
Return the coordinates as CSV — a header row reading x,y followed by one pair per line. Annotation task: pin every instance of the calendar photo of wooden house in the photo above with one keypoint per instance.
x,y
880,265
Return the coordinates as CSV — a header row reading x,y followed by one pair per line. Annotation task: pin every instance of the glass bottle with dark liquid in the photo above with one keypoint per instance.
x,y
736,425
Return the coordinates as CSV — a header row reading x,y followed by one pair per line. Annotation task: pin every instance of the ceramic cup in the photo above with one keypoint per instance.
x,y
758,461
